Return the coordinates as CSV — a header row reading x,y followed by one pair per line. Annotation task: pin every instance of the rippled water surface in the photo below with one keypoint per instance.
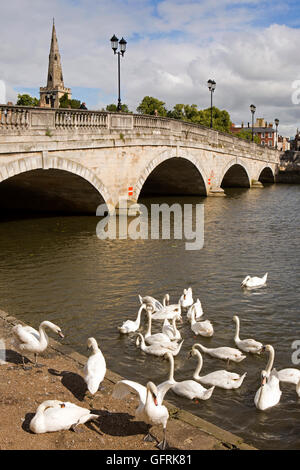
x,y
56,268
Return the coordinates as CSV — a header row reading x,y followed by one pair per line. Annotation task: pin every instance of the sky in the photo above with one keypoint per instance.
x,y
249,47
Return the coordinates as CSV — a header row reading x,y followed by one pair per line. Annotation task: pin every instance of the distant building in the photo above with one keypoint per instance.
x,y
265,132
55,89
296,142
283,143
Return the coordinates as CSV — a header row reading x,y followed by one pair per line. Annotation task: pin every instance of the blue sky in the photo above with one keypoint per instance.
x,y
249,47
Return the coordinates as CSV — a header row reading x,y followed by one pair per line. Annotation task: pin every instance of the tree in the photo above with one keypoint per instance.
x,y
27,100
150,105
246,134
113,108
65,102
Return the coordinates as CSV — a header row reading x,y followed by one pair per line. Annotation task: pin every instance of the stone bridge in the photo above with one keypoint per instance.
x,y
72,160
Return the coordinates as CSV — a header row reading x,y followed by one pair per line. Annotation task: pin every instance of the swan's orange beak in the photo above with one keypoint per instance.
x,y
62,405
155,401
60,334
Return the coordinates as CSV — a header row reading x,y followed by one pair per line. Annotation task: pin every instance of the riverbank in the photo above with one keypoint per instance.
x,y
21,391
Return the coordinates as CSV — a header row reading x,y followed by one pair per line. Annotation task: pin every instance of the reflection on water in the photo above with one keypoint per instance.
x,y
56,268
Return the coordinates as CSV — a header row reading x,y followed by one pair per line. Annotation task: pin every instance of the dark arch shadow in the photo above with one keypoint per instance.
x,y
51,191
266,176
73,382
235,177
174,177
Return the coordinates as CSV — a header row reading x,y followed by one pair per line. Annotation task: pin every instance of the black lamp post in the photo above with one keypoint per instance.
x,y
252,109
276,124
114,45
211,86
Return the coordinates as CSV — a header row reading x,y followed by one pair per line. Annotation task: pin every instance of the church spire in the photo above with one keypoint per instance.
x,y
55,88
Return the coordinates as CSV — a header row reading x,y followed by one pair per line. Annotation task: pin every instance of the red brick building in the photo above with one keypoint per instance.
x,y
265,132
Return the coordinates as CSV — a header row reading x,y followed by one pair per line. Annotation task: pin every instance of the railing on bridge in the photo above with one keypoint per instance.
x,y
15,120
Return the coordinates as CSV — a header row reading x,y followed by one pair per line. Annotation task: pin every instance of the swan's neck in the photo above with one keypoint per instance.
x,y
200,363
43,336
270,361
148,332
193,320
237,330
171,373
138,318
174,324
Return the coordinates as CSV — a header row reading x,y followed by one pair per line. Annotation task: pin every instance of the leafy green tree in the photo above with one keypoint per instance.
x,y
65,102
27,100
221,119
247,135
113,108
150,105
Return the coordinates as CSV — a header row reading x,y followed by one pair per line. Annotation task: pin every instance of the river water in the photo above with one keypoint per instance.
x,y
56,268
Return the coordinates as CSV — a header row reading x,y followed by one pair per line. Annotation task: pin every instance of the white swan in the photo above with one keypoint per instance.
x,y
219,378
269,393
289,375
148,300
223,352
95,368
129,326
246,345
150,409
157,338
27,339
197,308
186,300
203,328
255,281
171,329
156,349
186,388
54,415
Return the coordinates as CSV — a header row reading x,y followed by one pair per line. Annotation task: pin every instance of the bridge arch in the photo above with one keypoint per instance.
x,y
266,175
235,174
51,164
164,161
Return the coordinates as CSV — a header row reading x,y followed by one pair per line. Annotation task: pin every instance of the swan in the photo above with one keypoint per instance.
x,y
289,375
186,388
168,312
203,328
298,388
171,329
148,300
246,345
254,281
130,326
150,409
27,339
157,338
156,349
55,415
95,368
197,308
223,352
219,378
186,300
269,393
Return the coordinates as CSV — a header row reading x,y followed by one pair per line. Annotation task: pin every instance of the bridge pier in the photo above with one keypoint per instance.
x,y
216,192
256,184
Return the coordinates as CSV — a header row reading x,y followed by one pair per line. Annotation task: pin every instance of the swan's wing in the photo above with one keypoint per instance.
x,y
148,300
124,387
23,335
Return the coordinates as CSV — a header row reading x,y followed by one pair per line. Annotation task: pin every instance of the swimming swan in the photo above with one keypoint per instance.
x,y
95,368
223,352
269,393
130,326
255,281
54,415
289,375
27,339
157,338
246,345
186,300
197,308
186,388
156,349
203,328
219,378
150,409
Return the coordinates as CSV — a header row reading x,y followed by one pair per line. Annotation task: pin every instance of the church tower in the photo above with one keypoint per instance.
x,y
49,95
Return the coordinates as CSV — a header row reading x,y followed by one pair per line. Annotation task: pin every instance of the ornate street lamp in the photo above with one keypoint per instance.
x,y
211,86
276,124
114,45
252,109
